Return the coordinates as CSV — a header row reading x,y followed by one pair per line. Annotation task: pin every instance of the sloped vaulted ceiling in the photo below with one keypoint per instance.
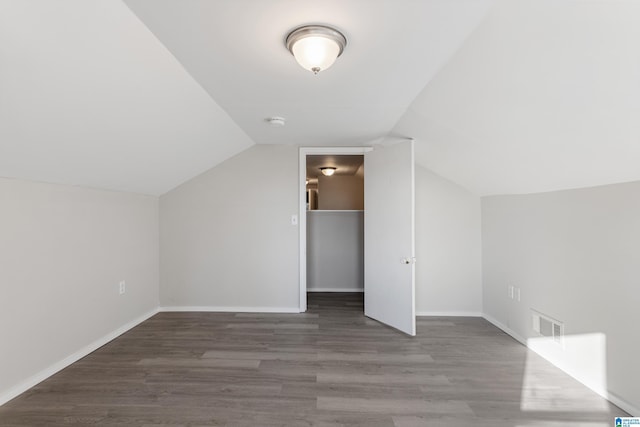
x,y
544,95
141,95
236,51
88,96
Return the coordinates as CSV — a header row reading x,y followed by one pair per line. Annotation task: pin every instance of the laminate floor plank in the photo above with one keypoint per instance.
x,y
329,367
375,357
400,379
364,391
260,355
393,406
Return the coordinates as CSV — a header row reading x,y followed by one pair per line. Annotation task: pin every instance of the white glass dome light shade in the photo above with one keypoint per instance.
x,y
316,47
315,53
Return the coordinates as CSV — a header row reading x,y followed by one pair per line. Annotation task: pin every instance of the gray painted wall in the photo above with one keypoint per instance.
x,y
63,251
335,251
448,247
575,255
226,236
227,239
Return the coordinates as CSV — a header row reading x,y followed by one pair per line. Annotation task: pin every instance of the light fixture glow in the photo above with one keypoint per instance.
x,y
316,47
328,171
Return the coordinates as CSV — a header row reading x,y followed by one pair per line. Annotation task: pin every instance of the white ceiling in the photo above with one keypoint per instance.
x,y
344,164
236,51
521,96
88,96
545,95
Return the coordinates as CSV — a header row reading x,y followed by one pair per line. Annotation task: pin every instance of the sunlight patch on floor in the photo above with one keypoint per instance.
x,y
582,356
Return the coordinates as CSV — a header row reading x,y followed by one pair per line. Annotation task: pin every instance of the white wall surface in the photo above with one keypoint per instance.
x,y
63,251
575,255
227,242
335,251
448,247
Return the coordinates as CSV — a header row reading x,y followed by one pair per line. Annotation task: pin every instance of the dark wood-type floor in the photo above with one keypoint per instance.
x,y
328,367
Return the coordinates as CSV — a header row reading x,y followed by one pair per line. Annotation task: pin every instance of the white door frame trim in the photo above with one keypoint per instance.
x,y
302,212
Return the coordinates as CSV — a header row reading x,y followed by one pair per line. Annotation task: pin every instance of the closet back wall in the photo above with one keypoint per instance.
x,y
335,251
341,192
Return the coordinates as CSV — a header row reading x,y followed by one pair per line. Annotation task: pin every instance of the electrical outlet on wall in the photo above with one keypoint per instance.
x,y
123,287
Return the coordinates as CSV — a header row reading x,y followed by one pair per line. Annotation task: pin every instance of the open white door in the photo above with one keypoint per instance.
x,y
389,249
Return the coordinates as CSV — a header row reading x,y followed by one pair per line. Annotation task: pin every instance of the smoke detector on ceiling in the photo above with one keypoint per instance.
x,y
275,121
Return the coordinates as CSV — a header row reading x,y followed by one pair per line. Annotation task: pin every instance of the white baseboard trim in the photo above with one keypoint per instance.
x,y
72,358
208,308
623,404
612,397
449,313
506,329
335,289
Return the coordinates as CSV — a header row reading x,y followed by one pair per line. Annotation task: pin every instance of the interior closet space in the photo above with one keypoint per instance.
x,y
335,223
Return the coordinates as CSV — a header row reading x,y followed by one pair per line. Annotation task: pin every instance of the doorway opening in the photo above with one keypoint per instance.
x,y
331,220
389,236
335,223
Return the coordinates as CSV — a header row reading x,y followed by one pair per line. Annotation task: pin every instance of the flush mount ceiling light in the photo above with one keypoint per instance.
x,y
328,171
316,47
